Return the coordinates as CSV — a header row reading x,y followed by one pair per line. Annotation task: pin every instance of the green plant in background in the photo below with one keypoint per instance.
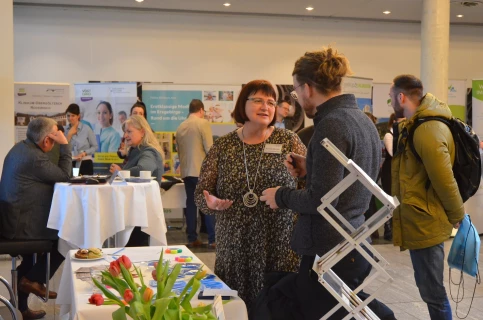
x,y
140,302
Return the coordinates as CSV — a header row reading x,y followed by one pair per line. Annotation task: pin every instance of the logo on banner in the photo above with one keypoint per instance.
x,y
22,92
452,89
58,91
86,95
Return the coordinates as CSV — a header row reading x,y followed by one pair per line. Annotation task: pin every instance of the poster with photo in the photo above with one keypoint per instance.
x,y
34,100
167,105
104,107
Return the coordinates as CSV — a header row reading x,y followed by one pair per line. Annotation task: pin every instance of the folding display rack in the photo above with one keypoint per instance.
x,y
354,239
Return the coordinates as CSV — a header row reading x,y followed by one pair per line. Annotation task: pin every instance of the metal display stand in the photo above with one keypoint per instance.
x,y
353,239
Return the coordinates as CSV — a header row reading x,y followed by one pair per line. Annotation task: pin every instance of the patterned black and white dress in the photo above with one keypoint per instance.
x,y
249,241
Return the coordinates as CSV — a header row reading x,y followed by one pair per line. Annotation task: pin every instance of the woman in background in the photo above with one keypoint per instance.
x,y
108,138
144,155
82,140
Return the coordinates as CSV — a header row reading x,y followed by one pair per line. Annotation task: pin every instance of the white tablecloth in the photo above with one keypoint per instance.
x,y
73,293
86,215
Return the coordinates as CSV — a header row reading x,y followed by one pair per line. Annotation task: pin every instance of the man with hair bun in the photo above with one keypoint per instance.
x,y
317,78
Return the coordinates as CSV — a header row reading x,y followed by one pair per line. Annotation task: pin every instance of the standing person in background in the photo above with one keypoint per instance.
x,y
251,238
431,204
194,139
122,116
386,169
82,140
283,109
139,109
108,139
317,78
144,155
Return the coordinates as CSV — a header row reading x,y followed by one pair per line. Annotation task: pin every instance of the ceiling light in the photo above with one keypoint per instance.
x,y
460,16
309,8
139,0
386,12
227,4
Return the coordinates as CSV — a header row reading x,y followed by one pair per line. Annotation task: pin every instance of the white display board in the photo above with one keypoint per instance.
x,y
34,100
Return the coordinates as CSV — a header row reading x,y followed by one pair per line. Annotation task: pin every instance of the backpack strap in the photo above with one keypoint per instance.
x,y
416,124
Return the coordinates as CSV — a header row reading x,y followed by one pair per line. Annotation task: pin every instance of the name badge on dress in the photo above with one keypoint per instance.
x,y
273,148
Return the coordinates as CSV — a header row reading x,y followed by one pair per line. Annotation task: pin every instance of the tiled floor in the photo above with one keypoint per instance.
x,y
402,296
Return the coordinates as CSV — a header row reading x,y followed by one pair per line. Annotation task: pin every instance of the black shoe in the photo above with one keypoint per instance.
x,y
31,314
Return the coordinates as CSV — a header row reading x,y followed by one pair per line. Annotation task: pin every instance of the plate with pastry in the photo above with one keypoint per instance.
x,y
88,254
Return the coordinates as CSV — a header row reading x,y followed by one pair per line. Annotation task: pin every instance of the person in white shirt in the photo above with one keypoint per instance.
x,y
194,139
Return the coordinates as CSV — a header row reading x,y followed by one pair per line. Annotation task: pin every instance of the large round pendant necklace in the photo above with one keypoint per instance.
x,y
250,199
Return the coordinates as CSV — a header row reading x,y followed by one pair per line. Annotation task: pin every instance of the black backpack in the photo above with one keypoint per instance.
x,y
467,164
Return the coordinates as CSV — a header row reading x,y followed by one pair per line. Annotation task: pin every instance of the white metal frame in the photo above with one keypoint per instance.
x,y
353,239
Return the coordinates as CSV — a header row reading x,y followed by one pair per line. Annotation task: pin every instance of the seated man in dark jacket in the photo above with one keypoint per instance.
x,y
26,191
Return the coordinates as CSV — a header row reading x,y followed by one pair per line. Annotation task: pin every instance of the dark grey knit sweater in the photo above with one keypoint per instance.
x,y
342,122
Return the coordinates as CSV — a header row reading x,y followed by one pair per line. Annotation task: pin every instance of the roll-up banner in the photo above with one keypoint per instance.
x,y
34,100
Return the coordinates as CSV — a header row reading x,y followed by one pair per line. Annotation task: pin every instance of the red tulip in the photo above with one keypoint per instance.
x,y
125,261
114,269
148,294
128,295
153,273
96,299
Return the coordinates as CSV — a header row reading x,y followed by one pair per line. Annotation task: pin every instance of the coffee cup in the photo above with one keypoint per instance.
x,y
75,172
145,174
126,174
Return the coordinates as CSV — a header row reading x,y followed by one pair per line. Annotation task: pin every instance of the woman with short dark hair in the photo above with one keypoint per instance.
x,y
251,238
82,140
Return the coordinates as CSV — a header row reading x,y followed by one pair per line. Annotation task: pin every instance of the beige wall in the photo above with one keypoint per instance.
x,y
57,45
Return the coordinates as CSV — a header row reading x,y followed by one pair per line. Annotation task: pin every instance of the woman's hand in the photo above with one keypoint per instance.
x,y
214,203
114,167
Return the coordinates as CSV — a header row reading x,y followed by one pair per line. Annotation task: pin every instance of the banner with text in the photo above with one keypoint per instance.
x,y
361,88
104,107
34,100
457,98
477,107
168,105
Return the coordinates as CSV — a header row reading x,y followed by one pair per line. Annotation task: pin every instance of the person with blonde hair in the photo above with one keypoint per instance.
x,y
317,79
144,155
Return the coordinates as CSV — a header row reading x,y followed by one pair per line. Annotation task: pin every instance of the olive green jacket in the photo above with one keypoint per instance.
x,y
428,193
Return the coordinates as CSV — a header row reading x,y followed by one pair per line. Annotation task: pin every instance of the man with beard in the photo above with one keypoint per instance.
x,y
317,78
431,203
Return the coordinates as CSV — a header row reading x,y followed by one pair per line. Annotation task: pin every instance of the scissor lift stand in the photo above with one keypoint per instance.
x,y
353,239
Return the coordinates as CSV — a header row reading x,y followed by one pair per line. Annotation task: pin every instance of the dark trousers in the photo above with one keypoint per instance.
x,y
138,238
36,272
191,213
352,269
428,265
